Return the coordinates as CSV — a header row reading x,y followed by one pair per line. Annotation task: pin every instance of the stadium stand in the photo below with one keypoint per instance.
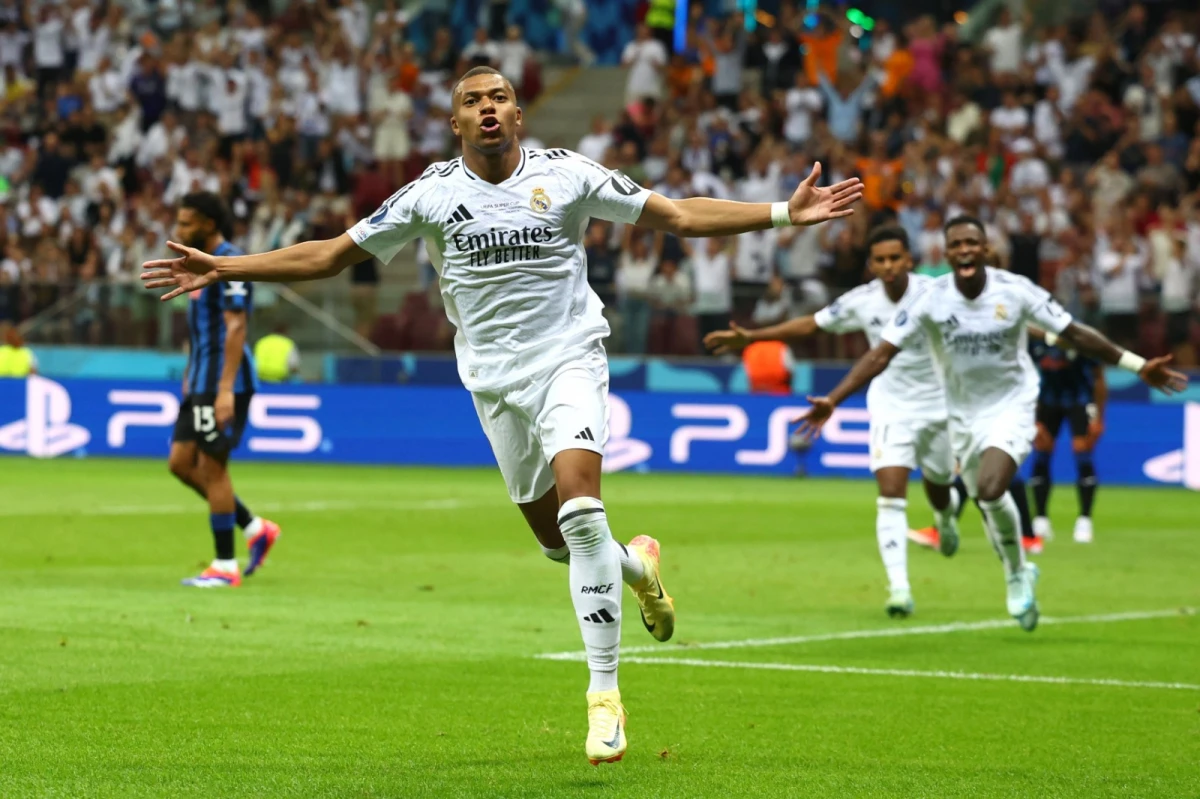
x,y
1075,137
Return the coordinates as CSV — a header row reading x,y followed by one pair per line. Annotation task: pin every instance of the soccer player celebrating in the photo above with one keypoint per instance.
x,y
1073,391
217,388
906,403
504,229
975,322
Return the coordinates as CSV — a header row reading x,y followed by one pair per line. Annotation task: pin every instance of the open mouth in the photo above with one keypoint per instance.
x,y
966,269
490,125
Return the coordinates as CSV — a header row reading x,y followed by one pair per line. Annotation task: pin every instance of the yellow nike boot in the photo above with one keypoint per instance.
x,y
606,727
658,609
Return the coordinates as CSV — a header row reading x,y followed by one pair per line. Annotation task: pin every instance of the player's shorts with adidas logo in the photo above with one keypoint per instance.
x,y
528,423
197,423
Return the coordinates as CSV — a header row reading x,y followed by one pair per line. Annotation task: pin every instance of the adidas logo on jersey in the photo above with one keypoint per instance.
x,y
461,214
585,434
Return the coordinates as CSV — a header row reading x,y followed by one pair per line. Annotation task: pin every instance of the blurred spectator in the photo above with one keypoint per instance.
x,y
646,59
635,270
1121,260
1003,45
775,305
712,276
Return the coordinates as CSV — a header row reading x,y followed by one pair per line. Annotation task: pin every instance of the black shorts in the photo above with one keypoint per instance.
x,y
197,423
1052,417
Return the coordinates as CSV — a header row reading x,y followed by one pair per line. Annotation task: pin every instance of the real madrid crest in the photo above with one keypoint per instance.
x,y
1001,311
540,201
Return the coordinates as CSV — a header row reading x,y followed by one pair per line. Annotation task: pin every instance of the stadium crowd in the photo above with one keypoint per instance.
x,y
1079,144
303,120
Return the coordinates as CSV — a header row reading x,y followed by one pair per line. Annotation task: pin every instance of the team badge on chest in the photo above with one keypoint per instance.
x,y
1001,312
540,201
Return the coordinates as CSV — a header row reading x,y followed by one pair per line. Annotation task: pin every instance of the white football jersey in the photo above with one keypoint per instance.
x,y
980,344
911,386
510,257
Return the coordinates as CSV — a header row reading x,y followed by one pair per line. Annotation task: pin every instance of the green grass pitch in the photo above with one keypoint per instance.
x,y
387,648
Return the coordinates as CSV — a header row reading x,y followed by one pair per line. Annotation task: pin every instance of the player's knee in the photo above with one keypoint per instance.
x,y
1082,445
1042,442
991,489
583,524
179,466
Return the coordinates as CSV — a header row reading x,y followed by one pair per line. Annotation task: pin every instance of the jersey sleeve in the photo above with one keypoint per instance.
x,y
235,295
609,195
909,322
840,316
394,224
1043,310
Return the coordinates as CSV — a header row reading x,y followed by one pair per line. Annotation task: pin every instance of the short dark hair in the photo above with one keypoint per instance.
x,y
964,219
475,72
210,206
888,233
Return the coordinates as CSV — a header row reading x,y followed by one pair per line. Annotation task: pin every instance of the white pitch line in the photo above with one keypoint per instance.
x,y
884,632
941,675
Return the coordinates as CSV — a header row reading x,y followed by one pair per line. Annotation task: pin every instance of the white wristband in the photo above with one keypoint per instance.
x,y
780,217
1131,361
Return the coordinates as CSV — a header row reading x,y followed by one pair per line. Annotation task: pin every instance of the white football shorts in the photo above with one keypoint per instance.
x,y
1010,429
913,443
562,407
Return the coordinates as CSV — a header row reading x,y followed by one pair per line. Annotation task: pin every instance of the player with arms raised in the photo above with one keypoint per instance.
x,y
906,402
975,321
504,228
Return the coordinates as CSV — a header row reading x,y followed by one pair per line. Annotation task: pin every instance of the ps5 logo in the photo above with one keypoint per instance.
x,y
46,431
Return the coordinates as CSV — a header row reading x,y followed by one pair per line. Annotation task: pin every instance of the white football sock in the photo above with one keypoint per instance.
x,y
632,570
1004,523
595,573
225,565
891,529
253,528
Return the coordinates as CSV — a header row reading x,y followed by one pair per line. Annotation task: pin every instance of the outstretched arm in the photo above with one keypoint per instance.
x,y
1153,372
866,369
705,217
738,338
193,269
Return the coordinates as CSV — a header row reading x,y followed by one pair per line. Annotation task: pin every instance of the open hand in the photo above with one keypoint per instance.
x,y
1156,374
812,422
192,271
720,342
812,204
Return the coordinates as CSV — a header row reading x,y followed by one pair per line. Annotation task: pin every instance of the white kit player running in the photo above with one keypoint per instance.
x,y
976,320
906,403
504,228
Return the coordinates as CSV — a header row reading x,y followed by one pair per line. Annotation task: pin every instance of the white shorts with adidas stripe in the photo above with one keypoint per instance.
x,y
562,407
